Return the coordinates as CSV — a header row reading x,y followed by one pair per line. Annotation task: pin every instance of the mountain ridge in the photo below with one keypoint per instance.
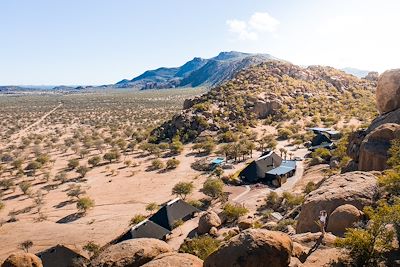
x,y
196,72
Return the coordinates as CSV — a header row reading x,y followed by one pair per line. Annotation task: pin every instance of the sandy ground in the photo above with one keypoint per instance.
x,y
118,198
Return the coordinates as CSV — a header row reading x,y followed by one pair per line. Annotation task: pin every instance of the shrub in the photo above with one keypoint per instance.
x,y
233,212
273,201
201,246
111,156
176,147
137,219
367,246
94,161
152,207
323,153
92,248
213,188
182,189
157,164
73,163
75,191
2,205
310,186
26,245
292,200
172,163
82,170
84,204
61,176
284,133
25,187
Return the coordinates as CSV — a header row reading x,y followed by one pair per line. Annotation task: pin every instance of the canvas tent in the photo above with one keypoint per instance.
x,y
173,211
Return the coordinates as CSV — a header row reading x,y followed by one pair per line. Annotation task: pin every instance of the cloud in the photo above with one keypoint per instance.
x,y
259,22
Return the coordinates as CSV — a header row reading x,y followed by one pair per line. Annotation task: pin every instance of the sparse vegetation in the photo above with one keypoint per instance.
x,y
201,246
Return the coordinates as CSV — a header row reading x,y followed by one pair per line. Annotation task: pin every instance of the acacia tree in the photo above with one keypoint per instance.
x,y
182,189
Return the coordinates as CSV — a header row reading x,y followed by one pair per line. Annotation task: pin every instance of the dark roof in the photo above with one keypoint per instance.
x,y
320,139
149,229
173,211
60,256
250,172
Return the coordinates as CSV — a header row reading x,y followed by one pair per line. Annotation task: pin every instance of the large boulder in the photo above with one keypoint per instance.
x,y
355,188
208,220
343,217
264,108
131,253
22,260
253,248
174,259
388,91
374,148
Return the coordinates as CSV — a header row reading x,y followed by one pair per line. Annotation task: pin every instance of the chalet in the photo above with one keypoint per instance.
x,y
61,256
323,138
144,229
270,168
172,212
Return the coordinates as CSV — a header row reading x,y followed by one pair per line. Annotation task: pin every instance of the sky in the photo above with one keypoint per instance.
x,y
82,42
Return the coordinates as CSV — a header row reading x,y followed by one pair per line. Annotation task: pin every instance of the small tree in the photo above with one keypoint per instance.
x,y
26,245
213,188
25,187
182,189
176,147
94,161
75,191
84,204
137,219
111,156
82,170
61,177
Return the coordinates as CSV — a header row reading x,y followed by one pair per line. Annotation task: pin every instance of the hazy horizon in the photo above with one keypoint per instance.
x,y
101,42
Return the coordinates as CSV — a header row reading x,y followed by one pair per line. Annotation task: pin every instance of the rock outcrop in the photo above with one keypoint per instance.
x,y
131,253
355,188
374,147
22,260
174,259
368,148
208,220
262,109
388,91
343,217
253,248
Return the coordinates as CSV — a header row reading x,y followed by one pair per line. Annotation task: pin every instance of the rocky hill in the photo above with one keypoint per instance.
x,y
274,91
197,72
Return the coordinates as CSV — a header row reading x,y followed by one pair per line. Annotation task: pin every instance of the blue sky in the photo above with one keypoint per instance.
x,y
104,41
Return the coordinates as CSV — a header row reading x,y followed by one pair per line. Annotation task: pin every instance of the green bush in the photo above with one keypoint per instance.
x,y
182,189
137,219
157,164
172,163
201,246
213,188
367,246
233,212
84,204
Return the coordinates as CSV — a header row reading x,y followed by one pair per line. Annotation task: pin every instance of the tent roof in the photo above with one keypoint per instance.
x,y
173,211
149,229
